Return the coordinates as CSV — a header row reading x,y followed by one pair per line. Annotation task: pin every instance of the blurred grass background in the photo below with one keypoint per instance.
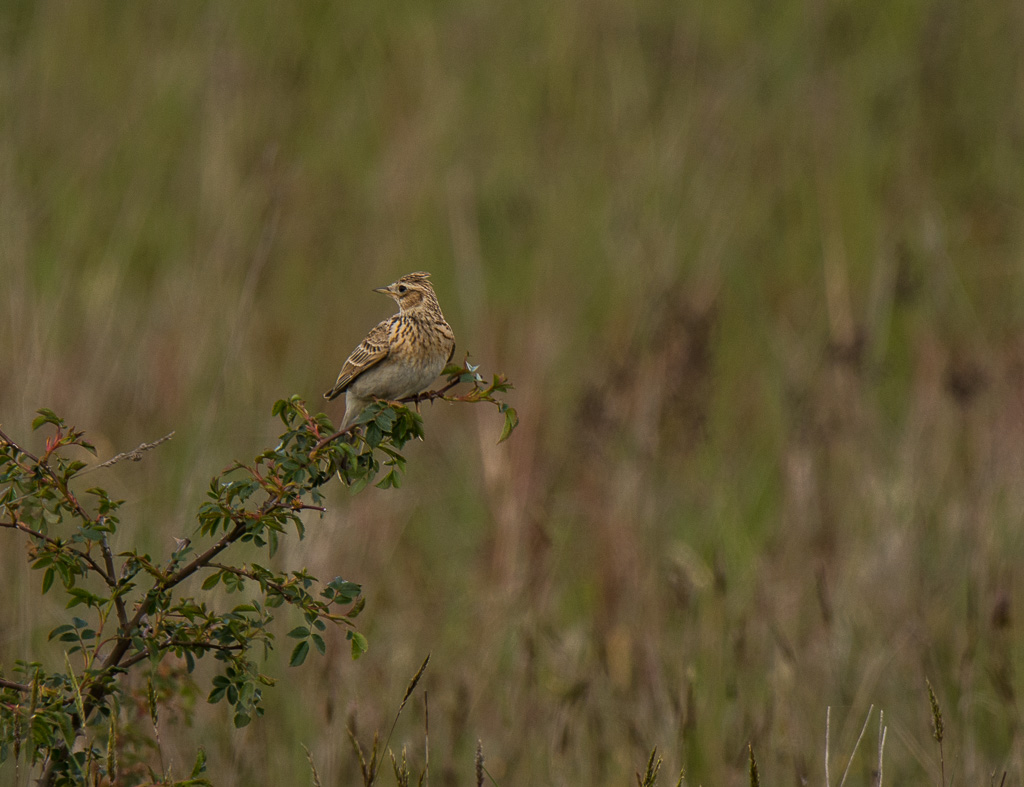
x,y
756,271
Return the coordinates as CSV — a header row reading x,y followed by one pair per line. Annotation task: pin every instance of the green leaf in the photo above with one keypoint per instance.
x,y
48,579
299,632
344,590
80,596
46,416
60,630
368,414
318,641
211,581
386,419
359,644
66,728
299,653
511,422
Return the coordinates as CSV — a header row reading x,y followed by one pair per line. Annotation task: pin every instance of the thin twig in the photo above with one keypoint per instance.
x,y
135,455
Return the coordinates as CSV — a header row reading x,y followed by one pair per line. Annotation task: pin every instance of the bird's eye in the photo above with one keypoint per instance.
x,y
402,288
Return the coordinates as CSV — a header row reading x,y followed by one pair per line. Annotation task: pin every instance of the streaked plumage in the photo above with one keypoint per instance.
x,y
402,355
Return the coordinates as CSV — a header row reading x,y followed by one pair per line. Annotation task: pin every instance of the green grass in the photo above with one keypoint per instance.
x,y
754,270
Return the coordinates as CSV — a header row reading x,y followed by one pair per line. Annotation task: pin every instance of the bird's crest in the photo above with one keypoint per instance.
x,y
418,276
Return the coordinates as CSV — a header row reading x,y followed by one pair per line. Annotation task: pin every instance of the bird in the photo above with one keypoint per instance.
x,y
402,355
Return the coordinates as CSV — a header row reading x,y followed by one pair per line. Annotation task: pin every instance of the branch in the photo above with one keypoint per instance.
x,y
333,437
198,562
430,396
121,648
248,573
115,660
10,684
57,544
108,559
426,396
284,591
121,654
16,447
131,661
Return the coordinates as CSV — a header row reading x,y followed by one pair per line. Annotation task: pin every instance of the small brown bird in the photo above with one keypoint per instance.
x,y
401,356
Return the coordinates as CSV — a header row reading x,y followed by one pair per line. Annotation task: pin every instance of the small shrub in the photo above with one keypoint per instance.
x,y
127,610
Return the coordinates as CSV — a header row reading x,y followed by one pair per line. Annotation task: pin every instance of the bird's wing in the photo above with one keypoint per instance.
x,y
371,351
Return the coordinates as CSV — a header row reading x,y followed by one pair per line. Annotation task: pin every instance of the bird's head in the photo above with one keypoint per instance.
x,y
412,292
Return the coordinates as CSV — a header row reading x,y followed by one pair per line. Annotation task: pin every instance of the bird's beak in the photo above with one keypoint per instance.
x,y
383,290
